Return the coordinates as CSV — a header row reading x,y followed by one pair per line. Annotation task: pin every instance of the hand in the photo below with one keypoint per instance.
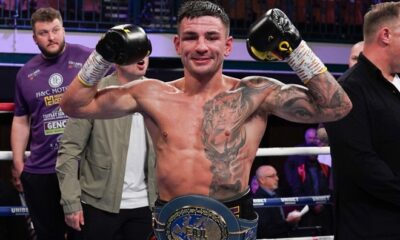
x,y
16,179
124,44
293,217
273,37
75,220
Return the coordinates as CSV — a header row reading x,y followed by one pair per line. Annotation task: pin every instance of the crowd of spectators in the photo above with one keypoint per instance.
x,y
339,19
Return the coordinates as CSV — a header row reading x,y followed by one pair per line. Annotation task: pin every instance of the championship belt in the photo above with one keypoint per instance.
x,y
196,217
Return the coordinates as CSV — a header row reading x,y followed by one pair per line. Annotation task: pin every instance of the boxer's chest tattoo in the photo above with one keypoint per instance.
x,y
223,136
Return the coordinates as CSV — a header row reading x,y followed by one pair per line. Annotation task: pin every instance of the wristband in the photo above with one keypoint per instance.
x,y
93,70
305,63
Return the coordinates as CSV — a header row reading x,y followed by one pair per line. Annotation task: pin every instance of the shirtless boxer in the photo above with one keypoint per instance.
x,y
207,126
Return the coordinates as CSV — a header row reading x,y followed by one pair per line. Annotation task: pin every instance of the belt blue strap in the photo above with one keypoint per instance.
x,y
197,217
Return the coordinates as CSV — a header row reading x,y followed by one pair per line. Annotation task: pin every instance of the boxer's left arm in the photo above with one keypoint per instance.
x,y
274,37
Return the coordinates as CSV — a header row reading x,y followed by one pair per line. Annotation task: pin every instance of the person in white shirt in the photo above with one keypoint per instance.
x,y
101,200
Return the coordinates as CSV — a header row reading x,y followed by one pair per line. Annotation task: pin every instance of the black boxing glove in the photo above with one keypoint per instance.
x,y
124,44
272,37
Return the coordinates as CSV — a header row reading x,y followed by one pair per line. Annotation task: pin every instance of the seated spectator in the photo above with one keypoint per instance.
x,y
272,221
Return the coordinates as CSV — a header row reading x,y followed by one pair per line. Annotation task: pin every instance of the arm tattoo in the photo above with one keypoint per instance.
x,y
223,134
293,106
328,96
293,101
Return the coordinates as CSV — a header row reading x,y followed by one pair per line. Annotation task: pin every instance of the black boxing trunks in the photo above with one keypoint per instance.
x,y
198,217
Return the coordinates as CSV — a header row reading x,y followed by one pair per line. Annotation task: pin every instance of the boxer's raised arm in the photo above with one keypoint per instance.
x,y
84,102
274,37
122,45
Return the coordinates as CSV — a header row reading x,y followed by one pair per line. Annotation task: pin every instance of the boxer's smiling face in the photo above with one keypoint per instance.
x,y
50,37
202,43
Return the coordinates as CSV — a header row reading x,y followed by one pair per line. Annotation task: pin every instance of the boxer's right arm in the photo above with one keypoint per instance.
x,y
123,45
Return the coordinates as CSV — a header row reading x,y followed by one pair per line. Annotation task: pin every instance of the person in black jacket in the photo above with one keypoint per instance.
x,y
365,144
272,221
